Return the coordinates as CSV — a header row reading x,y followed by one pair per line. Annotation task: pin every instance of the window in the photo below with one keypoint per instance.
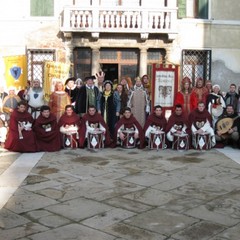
x,y
42,8
82,62
196,64
193,9
36,59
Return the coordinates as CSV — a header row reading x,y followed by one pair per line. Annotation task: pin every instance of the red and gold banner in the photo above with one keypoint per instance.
x,y
16,71
54,72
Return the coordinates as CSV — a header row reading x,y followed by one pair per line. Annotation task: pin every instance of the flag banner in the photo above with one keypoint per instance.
x,y
16,71
54,72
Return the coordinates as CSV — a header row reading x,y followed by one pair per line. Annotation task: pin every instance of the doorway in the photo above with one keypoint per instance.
x,y
111,71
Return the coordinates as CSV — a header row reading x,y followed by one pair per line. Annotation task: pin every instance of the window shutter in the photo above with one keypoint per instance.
x,y
203,9
181,8
42,8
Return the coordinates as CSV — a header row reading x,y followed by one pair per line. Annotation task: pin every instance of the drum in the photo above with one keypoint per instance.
x,y
70,140
95,139
156,140
180,142
129,140
201,141
70,136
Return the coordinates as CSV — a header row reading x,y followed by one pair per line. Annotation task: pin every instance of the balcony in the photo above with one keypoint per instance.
x,y
119,19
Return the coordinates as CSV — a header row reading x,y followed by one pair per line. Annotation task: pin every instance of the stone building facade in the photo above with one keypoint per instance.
x,y
125,37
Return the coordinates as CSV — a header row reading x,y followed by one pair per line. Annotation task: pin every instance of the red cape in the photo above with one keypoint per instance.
x,y
155,120
197,116
74,119
96,118
129,123
47,141
13,143
178,120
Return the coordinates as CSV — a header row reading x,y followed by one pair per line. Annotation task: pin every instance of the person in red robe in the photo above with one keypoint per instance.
x,y
20,137
69,124
128,122
156,122
200,121
93,121
47,131
177,123
200,90
186,97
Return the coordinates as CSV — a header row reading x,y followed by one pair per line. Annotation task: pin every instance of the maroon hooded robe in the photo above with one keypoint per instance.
x,y
47,133
129,123
154,120
13,142
96,119
74,120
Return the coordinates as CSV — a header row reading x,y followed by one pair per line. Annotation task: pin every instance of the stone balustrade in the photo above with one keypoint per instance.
x,y
119,20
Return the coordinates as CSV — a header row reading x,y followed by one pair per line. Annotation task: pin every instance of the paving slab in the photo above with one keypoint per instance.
x,y
120,194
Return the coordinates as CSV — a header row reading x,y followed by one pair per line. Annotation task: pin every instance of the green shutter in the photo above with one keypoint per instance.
x,y
181,8
42,8
203,9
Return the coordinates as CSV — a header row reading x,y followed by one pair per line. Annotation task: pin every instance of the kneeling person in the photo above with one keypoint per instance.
x,y
128,131
201,125
155,126
47,131
93,123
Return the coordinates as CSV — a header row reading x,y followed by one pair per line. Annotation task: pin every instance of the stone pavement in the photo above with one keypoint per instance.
x,y
119,194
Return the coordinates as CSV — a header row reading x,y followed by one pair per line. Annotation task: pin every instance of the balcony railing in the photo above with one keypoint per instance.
x,y
119,20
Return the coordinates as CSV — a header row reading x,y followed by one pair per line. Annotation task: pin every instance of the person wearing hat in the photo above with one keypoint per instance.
x,y
186,97
87,95
71,89
109,106
215,103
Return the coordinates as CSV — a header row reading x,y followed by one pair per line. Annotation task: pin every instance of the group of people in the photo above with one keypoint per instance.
x,y
97,114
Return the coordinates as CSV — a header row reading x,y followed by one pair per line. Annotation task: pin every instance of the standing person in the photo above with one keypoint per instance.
x,y
58,100
100,76
215,103
228,127
20,137
127,83
35,98
200,121
146,84
156,121
139,102
79,83
186,97
120,92
208,85
128,123
109,106
69,124
47,131
232,97
88,95
177,124
200,90
10,102
93,121
71,89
